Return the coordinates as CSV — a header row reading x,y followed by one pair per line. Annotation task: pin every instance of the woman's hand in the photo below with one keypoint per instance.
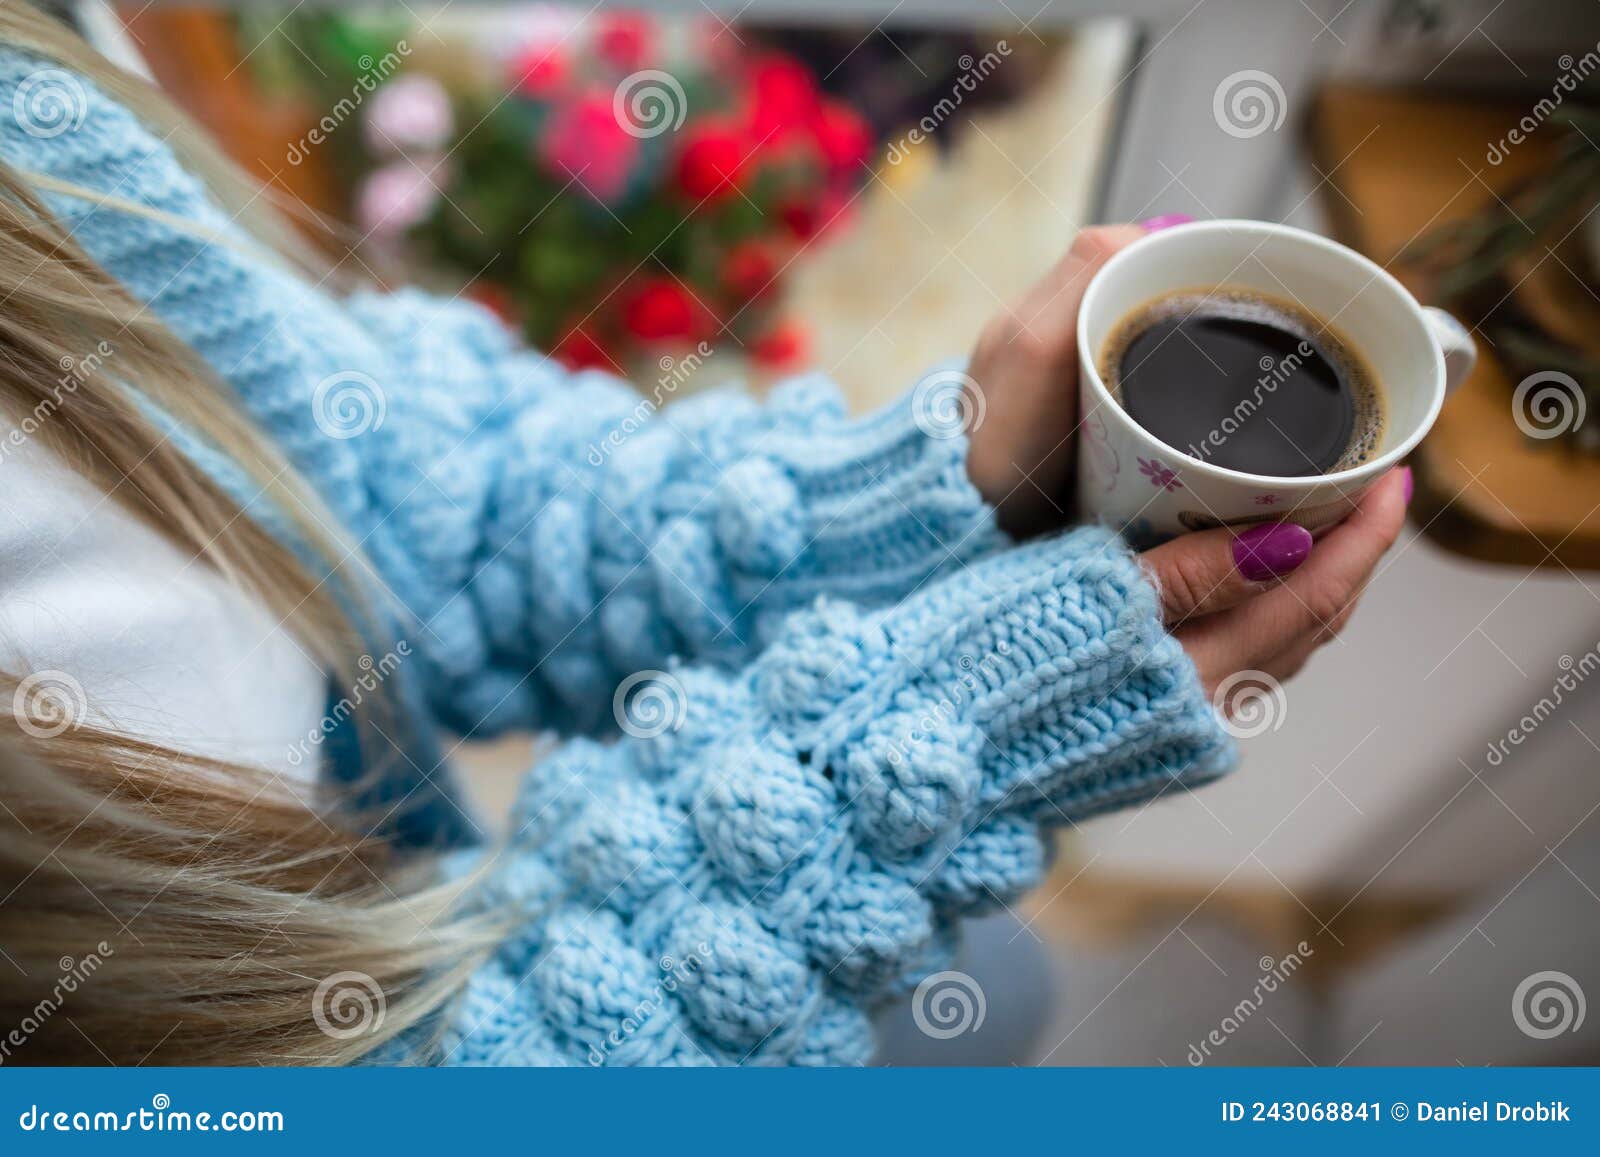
x,y
1026,368
1262,599
1266,599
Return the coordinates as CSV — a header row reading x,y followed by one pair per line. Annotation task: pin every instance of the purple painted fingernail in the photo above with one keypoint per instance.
x,y
1411,483
1165,221
1271,551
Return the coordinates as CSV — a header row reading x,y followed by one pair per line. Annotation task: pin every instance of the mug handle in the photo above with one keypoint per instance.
x,y
1460,351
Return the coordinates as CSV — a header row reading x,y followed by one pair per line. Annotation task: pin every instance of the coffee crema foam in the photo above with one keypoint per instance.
x,y
1251,306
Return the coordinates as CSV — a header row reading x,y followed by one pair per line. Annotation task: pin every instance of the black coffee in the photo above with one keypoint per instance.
x,y
1244,381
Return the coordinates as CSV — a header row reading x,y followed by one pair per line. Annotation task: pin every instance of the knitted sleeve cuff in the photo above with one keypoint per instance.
x,y
613,530
1038,682
811,502
884,500
631,533
768,856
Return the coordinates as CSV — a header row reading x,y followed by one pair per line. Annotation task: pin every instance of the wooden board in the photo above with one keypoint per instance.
x,y
1400,164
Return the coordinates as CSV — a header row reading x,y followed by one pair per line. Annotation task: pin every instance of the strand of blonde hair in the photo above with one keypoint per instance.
x,y
228,897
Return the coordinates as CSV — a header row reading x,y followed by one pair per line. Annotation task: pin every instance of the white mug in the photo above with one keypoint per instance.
x,y
1151,491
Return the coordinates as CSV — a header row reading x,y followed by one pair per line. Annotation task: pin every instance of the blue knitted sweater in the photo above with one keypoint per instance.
x,y
847,705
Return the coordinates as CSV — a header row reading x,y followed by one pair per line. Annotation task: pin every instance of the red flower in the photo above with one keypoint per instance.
x,y
782,347
808,219
625,40
711,162
581,350
800,218
538,70
495,299
749,271
843,137
784,98
661,309
583,141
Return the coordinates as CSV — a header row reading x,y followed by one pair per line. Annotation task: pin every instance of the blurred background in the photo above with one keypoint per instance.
x,y
1407,867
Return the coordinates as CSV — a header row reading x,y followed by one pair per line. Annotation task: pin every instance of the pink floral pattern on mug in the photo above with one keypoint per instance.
x,y
1266,500
1159,474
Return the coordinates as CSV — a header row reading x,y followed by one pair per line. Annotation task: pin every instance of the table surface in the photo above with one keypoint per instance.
x,y
1403,164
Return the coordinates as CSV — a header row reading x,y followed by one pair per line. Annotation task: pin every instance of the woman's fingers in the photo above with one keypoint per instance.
x,y
1311,605
1213,570
1341,566
1051,306
1024,372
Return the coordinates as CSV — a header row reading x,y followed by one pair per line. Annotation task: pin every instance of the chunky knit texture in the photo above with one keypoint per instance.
x,y
863,706
545,534
788,846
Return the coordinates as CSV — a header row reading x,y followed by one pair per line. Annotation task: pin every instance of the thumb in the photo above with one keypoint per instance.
x,y
1052,305
1212,570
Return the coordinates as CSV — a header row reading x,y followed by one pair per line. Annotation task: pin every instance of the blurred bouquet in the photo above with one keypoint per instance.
x,y
613,199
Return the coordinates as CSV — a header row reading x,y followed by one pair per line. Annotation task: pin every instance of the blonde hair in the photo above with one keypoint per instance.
x,y
225,897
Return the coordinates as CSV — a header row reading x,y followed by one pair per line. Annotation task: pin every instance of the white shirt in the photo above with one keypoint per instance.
x,y
113,622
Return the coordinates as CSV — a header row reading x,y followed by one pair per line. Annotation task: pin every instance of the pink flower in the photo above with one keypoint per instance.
x,y
1266,499
394,198
625,40
1159,474
784,98
716,41
409,114
539,72
583,141
537,42
843,136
